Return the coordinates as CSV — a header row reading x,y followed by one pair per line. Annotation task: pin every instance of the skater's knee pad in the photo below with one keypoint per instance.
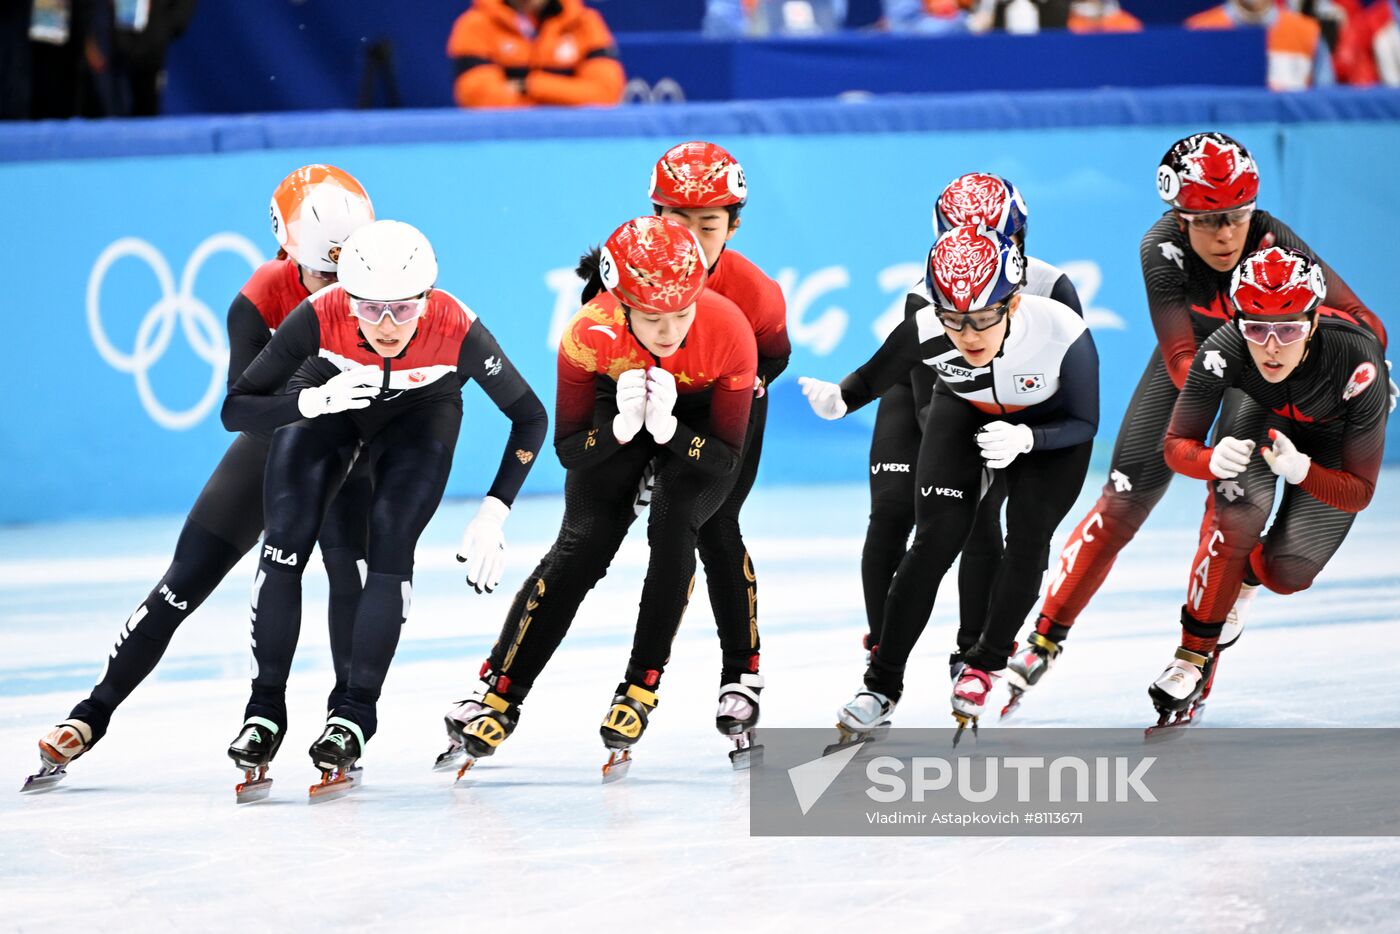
x,y
344,568
1241,523
1121,514
1028,553
934,550
720,536
287,548
1283,574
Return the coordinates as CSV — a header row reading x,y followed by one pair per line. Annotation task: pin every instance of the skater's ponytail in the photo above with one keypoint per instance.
x,y
589,271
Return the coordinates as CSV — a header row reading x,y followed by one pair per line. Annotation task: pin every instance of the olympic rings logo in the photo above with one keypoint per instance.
x,y
202,328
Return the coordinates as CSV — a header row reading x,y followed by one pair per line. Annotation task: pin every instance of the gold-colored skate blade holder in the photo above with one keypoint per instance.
x,y
615,769
255,786
964,721
336,783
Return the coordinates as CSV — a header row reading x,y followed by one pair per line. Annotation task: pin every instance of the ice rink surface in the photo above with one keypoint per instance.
x,y
144,833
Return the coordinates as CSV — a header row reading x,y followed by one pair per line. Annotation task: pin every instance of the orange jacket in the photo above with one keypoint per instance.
x,y
1117,21
1292,45
507,59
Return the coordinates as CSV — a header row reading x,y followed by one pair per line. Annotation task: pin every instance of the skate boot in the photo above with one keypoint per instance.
x,y
1235,619
738,715
865,717
337,754
60,746
252,751
970,698
477,726
1027,667
623,725
955,666
1178,691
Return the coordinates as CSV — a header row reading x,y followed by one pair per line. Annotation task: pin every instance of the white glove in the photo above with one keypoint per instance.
x,y
631,405
349,390
1285,459
661,399
1230,457
1001,442
1394,389
824,398
483,548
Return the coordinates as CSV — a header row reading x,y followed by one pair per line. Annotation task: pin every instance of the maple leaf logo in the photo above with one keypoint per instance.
x,y
1274,268
1215,164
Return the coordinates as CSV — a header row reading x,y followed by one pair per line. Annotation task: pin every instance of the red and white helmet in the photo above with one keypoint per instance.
x,y
980,198
653,264
1207,172
697,175
1277,282
972,267
314,211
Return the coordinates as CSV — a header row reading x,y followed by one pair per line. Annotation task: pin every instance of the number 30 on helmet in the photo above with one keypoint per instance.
x,y
314,211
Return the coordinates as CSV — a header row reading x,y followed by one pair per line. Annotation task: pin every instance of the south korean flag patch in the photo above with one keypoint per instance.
x,y
1364,376
1029,382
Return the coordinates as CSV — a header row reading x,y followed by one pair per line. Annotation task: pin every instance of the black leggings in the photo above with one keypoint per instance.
x,y
598,510
729,572
225,522
409,455
894,452
1041,487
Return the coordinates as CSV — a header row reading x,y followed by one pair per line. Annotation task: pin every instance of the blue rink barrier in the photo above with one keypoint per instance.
x,y
129,239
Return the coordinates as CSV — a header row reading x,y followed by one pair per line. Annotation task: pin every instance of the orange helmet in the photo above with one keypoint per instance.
x,y
314,210
654,265
697,175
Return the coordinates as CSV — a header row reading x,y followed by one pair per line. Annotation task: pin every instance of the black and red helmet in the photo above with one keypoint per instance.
x,y
1277,282
1207,172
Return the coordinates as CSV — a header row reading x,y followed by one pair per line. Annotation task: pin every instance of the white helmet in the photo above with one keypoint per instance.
x,y
314,210
386,261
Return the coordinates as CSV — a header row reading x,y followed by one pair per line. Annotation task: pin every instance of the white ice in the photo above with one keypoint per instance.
x,y
144,833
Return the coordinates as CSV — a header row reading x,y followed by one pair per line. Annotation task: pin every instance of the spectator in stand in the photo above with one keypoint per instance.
x,y
1368,48
1298,58
1101,16
523,53
143,33
927,17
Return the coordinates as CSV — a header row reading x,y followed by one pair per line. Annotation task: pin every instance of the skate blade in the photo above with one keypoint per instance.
x,y
745,755
1013,703
466,764
335,785
1168,727
847,737
44,780
617,766
451,759
964,721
